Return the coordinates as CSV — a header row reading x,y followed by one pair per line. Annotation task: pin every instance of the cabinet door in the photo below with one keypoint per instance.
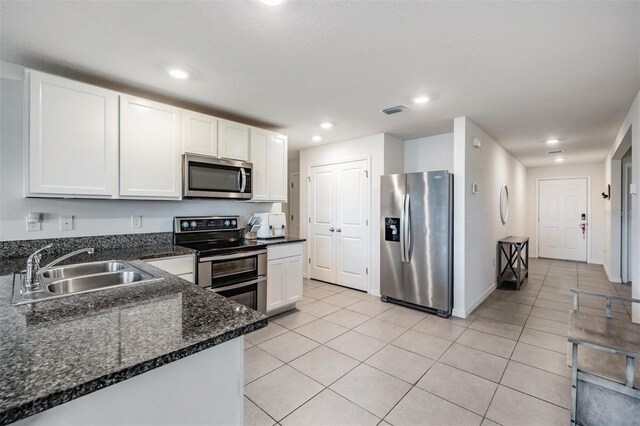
x,y
260,184
149,149
233,140
277,167
293,282
199,133
73,129
276,277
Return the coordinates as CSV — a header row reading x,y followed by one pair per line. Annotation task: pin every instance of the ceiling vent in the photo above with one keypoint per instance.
x,y
395,109
557,151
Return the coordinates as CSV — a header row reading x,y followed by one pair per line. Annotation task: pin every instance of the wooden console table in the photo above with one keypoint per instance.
x,y
516,269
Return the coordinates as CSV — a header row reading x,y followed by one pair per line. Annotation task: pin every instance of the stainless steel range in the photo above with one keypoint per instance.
x,y
227,263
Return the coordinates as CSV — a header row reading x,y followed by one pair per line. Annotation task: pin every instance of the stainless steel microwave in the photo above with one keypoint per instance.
x,y
211,177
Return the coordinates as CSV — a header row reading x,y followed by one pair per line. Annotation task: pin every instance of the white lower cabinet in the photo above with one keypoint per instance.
x,y
181,266
284,275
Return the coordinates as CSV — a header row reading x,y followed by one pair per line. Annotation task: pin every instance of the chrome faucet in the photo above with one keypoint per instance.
x,y
34,271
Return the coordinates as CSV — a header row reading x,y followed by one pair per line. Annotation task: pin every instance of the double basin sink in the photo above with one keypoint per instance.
x,y
82,278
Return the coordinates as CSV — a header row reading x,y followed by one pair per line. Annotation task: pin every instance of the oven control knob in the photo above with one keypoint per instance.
x,y
227,223
194,224
185,225
233,222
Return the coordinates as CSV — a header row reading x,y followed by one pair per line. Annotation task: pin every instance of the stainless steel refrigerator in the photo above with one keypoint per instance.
x,y
416,241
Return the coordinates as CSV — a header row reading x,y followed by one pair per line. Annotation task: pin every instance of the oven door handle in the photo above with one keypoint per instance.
x,y
242,284
233,256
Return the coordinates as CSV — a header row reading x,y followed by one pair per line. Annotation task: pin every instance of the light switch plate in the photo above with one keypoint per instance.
x,y
66,223
136,221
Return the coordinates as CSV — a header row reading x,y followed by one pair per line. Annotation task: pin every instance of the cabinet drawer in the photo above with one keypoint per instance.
x,y
284,250
175,265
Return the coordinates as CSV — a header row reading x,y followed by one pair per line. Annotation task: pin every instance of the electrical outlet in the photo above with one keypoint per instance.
x,y
66,223
136,221
33,226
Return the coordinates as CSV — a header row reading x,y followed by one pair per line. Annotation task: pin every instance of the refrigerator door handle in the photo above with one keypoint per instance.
x,y
407,229
402,230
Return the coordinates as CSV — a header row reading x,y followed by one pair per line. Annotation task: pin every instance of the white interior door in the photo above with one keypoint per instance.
x,y
352,224
339,223
322,223
562,212
294,204
626,265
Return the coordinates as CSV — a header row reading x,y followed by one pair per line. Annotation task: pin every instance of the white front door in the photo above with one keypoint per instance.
x,y
339,223
561,215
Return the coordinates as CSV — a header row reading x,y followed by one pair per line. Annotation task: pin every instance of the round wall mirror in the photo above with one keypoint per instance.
x,y
504,204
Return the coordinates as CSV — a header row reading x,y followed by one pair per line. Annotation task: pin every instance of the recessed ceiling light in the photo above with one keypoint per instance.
x,y
326,125
421,99
272,2
559,160
552,141
316,138
178,73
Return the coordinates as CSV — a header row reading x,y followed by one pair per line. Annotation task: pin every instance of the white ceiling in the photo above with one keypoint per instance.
x,y
522,71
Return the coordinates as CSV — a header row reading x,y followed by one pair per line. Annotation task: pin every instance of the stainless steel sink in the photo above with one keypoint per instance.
x,y
84,269
82,278
88,283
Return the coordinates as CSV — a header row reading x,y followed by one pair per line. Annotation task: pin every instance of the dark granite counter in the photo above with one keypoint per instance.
x,y
277,241
59,350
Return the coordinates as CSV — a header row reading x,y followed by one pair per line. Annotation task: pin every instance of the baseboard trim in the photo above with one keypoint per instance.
x,y
481,299
375,293
458,313
611,279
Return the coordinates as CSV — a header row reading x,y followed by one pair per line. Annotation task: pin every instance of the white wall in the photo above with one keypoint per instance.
x,y
596,204
429,153
613,223
91,217
374,148
490,167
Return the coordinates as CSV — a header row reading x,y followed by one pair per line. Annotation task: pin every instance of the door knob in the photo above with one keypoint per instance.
x,y
331,229
339,230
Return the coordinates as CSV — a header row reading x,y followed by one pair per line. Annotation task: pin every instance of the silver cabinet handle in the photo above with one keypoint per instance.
x,y
331,229
339,230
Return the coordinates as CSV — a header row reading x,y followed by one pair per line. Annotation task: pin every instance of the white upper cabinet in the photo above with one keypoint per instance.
x,y
269,157
258,157
199,133
233,140
149,149
277,167
72,144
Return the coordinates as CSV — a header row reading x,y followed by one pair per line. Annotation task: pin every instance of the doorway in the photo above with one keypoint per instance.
x,y
294,204
626,264
339,215
563,218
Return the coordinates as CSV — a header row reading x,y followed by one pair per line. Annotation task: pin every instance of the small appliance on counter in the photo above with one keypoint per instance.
x,y
272,225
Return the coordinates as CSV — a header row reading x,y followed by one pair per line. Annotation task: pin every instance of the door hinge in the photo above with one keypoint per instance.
x,y
291,217
309,261
366,173
309,220
309,178
292,185
366,271
366,222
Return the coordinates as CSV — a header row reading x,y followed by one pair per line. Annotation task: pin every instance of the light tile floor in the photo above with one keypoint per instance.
x,y
347,358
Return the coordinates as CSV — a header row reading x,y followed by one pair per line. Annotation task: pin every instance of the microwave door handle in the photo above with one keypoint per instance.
x,y
243,180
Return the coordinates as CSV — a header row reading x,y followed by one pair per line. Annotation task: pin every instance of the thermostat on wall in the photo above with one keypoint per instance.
x,y
633,188
477,143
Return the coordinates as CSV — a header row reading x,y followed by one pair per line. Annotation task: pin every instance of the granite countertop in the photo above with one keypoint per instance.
x,y
59,350
284,240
